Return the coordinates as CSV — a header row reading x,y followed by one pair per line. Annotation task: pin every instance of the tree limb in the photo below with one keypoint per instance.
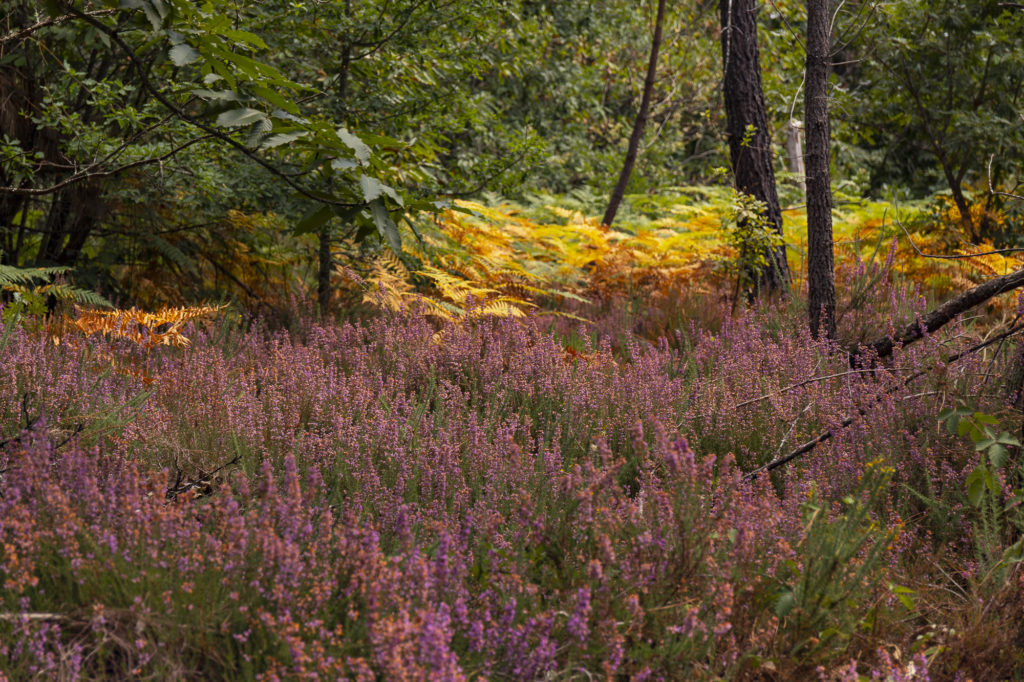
x,y
939,317
53,21
88,174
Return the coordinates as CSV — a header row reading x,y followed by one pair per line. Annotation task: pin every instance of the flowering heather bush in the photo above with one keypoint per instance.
x,y
391,501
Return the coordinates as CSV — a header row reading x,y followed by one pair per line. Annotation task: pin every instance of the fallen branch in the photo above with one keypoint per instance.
x,y
21,617
827,434
942,315
801,384
204,483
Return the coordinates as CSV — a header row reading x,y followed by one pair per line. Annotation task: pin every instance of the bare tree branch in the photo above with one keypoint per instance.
x,y
53,21
991,190
955,256
89,174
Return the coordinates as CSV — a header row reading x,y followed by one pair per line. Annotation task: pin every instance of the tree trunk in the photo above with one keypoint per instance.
x,y
795,154
325,263
641,120
323,280
962,205
750,147
75,212
821,297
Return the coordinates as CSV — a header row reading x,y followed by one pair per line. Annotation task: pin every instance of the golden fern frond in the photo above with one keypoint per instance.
x,y
386,288
455,288
498,308
140,327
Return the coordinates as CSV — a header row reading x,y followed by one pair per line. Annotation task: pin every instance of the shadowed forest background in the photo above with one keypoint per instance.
x,y
433,339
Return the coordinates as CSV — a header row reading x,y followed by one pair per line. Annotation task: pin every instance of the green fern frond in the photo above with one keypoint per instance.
x,y
172,253
36,281
82,297
10,275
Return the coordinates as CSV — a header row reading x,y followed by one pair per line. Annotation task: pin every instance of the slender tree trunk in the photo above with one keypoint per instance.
x,y
323,280
325,263
641,120
751,154
795,154
962,205
821,299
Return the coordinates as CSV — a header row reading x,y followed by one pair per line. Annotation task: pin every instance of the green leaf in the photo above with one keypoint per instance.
x,y
983,444
343,164
785,603
314,219
245,37
1006,439
976,486
991,482
373,188
904,594
155,12
234,118
183,54
258,133
953,425
362,152
279,139
983,418
385,225
1014,554
998,455
946,414
224,95
275,98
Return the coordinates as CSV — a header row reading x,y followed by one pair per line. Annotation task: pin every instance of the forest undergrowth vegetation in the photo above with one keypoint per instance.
x,y
533,461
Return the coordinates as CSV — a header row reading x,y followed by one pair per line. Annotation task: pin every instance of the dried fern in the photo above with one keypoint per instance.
x,y
146,330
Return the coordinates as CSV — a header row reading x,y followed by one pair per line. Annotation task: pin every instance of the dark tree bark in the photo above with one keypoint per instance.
x,y
73,215
821,297
323,279
641,120
752,166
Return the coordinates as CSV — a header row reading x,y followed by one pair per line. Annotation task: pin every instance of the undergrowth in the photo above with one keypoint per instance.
x,y
501,497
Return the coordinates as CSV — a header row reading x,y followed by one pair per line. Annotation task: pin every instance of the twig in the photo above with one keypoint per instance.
x,y
958,256
792,427
991,189
18,617
87,174
29,30
203,483
804,383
